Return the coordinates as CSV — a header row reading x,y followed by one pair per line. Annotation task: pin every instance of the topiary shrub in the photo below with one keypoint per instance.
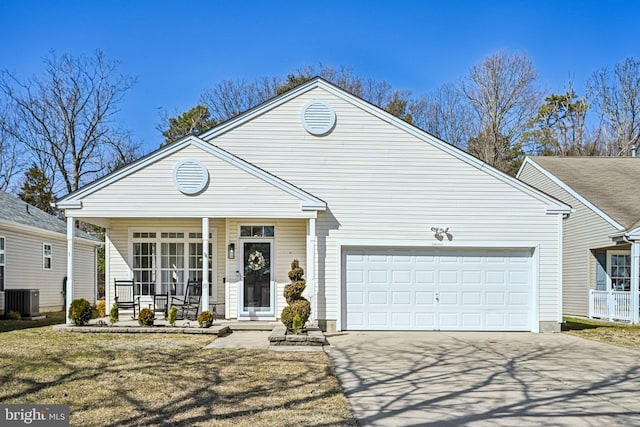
x,y
101,308
113,314
172,316
146,317
297,323
205,319
298,306
80,311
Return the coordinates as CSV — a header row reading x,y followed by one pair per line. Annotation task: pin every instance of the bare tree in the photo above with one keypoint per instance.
x,y
66,116
230,98
503,98
10,163
445,113
616,97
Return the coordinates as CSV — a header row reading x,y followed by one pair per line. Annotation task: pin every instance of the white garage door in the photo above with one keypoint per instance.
x,y
401,289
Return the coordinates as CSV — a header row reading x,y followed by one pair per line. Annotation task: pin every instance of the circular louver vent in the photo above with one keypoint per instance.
x,y
190,176
318,118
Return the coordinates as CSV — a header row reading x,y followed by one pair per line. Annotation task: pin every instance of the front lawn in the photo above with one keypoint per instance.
x,y
620,334
157,379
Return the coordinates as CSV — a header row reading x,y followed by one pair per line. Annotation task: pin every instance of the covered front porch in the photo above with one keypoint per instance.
x,y
616,296
191,211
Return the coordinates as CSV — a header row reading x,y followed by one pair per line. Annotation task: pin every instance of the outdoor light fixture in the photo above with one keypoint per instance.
x,y
231,251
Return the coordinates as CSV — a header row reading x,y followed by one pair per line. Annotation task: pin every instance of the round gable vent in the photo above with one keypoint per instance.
x,y
190,176
318,118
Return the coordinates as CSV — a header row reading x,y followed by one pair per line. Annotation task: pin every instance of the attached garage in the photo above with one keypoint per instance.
x,y
437,289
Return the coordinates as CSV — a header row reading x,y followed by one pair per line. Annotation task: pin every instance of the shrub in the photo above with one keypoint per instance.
x,y
101,307
80,311
113,314
13,315
298,306
205,319
146,317
171,317
297,323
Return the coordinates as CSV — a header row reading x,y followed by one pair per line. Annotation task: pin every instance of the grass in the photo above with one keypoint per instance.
x,y
620,334
149,379
53,318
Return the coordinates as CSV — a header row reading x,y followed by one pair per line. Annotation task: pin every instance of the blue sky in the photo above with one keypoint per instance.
x,y
179,49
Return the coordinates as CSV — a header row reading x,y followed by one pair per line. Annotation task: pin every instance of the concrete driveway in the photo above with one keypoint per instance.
x,y
486,379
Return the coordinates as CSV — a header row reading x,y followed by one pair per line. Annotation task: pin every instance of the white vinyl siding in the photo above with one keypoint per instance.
x,y
151,192
381,183
24,267
583,230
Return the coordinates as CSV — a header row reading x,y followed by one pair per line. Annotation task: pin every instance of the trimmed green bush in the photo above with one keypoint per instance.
x,y
113,314
205,319
298,306
171,317
80,311
297,323
101,308
146,317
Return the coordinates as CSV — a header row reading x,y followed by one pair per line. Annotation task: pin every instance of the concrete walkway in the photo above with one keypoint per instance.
x,y
486,379
256,340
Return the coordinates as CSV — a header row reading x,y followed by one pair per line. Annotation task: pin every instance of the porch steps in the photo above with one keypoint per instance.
x,y
248,325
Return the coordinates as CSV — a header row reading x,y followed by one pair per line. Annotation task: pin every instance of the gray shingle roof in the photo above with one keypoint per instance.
x,y
610,183
17,211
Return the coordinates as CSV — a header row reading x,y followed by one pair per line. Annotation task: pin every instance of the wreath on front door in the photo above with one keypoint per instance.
x,y
256,261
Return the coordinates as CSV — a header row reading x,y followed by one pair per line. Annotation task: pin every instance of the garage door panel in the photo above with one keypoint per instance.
x,y
401,297
437,289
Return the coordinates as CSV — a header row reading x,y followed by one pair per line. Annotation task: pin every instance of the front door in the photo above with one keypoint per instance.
x,y
257,299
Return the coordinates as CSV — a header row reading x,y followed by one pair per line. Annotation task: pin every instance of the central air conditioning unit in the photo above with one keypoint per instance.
x,y
24,301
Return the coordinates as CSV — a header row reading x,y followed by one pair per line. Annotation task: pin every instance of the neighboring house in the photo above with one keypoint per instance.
x,y
395,228
33,254
600,237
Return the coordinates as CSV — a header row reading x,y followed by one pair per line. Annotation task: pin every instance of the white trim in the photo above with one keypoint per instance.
x,y
71,228
3,252
635,281
243,315
535,266
44,256
307,200
560,270
205,265
569,190
626,252
311,269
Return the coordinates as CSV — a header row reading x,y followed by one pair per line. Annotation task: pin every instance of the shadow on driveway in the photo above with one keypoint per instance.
x,y
479,379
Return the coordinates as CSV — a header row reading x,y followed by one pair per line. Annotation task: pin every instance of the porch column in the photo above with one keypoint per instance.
x,y
69,290
205,264
635,272
311,269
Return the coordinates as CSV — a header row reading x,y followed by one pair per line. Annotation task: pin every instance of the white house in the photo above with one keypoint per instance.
x,y
396,229
601,238
33,255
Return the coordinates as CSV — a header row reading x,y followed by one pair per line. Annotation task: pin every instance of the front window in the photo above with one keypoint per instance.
x,y
173,257
47,255
144,263
2,263
620,271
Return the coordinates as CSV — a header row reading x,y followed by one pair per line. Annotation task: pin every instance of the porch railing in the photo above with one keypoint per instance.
x,y
611,305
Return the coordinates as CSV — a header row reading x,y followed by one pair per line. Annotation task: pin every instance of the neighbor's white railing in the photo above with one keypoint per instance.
x,y
612,305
